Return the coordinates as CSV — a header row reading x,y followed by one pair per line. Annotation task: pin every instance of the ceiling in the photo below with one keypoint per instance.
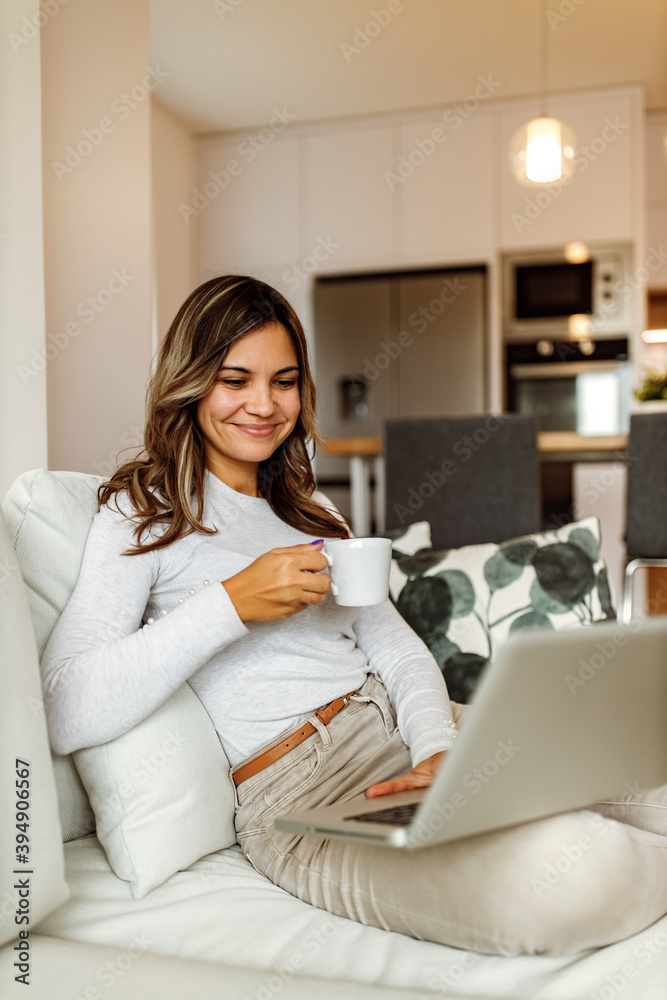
x,y
230,62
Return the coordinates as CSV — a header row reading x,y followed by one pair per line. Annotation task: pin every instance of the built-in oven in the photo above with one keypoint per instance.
x,y
570,386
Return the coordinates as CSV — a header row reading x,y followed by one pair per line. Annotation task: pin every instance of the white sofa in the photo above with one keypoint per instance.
x,y
214,927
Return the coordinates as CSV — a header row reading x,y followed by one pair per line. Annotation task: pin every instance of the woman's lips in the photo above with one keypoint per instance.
x,y
257,430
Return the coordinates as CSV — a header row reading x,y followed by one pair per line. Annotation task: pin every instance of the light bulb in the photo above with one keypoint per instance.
x,y
542,151
544,156
576,253
579,326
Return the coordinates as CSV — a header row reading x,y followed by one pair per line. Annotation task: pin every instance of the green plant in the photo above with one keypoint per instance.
x,y
654,386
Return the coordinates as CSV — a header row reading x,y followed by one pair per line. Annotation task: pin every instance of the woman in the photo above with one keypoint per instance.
x,y
204,565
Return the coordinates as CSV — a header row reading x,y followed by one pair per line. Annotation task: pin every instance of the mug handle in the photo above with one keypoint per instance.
x,y
334,588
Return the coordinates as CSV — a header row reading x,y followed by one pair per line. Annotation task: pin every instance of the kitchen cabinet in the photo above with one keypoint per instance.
x,y
656,197
458,201
447,202
347,197
254,219
460,205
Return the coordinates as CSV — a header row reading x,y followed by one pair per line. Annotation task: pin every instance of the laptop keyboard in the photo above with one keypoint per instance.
x,y
396,815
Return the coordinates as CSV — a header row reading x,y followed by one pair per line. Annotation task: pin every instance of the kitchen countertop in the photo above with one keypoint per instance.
x,y
550,444
365,453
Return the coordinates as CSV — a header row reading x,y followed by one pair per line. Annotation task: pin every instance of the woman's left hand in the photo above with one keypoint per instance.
x,y
419,777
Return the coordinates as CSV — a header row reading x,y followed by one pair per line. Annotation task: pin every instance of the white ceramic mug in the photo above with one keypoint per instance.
x,y
359,570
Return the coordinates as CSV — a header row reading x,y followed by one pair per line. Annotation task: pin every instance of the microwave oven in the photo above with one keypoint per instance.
x,y
545,295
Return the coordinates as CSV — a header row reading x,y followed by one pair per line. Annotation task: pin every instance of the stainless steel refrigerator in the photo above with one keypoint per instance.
x,y
393,345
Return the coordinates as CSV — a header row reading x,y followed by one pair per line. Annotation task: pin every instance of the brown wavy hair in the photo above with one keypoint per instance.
x,y
162,485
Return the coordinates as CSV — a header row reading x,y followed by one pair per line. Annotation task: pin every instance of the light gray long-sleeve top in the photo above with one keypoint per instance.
x,y
106,667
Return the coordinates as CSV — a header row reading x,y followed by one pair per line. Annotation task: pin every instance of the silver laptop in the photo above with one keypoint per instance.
x,y
558,721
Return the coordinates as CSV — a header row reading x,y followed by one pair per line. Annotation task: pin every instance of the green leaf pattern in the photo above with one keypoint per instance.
x,y
552,580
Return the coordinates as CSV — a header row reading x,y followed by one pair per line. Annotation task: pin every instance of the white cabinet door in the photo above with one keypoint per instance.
x,y
252,220
447,188
348,198
656,200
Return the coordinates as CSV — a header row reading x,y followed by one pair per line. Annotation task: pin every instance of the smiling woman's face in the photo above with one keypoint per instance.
x,y
252,407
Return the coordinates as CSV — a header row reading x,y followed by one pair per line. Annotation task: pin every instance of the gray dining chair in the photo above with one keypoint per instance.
x,y
646,500
474,478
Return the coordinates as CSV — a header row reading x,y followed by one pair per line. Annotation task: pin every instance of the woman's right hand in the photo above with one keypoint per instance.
x,y
280,583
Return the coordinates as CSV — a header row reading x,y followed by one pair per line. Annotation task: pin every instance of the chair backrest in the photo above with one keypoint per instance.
x,y
646,507
475,479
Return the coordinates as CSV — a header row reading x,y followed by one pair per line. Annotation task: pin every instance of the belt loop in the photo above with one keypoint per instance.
x,y
323,731
235,787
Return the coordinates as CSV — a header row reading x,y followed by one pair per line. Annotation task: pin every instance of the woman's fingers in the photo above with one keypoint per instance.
x,y
419,777
402,784
279,583
305,557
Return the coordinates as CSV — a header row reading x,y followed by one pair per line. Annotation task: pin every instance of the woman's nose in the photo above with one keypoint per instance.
x,y
261,400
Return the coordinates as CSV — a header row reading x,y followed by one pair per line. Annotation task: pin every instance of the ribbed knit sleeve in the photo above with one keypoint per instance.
x,y
413,680
102,670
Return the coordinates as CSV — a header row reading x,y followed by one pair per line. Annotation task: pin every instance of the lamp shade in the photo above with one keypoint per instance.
x,y
542,151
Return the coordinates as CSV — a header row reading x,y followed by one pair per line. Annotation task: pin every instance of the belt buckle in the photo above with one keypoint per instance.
x,y
326,719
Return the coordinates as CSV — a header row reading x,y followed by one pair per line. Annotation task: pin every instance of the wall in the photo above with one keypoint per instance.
x,y
173,154
96,89
23,444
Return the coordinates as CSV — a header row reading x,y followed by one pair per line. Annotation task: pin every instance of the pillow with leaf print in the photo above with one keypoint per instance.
x,y
465,603
408,541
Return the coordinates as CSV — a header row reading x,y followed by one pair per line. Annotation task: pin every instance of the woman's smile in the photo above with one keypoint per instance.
x,y
257,430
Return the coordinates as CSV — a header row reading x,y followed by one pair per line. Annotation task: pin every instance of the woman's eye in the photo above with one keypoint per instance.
x,y
235,383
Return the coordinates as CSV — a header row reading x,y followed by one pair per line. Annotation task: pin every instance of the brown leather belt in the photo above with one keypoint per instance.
x,y
263,760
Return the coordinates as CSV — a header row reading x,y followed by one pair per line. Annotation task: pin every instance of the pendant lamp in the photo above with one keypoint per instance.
x,y
542,150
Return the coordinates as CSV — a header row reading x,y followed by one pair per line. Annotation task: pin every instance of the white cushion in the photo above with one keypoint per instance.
x,y
49,515
31,839
223,911
161,793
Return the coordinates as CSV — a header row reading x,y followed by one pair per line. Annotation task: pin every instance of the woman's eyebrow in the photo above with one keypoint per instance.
x,y
237,368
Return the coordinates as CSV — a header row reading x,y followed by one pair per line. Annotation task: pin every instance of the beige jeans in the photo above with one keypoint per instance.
x,y
555,886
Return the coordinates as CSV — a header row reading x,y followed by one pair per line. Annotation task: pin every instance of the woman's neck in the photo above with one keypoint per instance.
x,y
237,480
